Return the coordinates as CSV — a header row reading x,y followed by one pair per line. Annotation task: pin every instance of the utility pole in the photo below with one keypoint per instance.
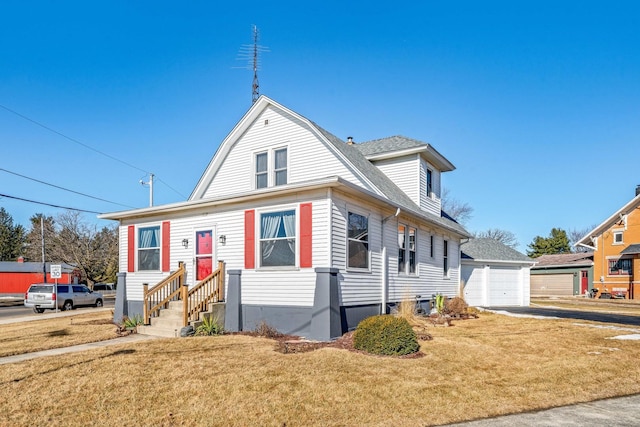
x,y
150,184
44,265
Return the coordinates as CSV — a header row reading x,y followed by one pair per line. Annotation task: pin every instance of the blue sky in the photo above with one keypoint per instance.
x,y
535,103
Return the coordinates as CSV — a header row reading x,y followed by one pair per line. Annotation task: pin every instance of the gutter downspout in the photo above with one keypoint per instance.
x,y
385,266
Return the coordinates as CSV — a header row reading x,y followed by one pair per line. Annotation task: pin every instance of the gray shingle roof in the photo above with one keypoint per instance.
x,y
485,249
384,184
580,258
631,249
389,144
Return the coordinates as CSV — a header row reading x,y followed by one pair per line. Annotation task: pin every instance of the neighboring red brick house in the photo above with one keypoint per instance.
x,y
16,276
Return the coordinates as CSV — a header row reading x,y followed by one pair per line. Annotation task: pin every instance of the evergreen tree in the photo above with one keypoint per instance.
x,y
556,243
12,237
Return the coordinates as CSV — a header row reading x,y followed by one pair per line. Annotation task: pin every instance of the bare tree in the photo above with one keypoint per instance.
x,y
459,211
71,240
575,235
503,236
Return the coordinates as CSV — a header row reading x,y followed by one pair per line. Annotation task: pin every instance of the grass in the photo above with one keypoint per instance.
x,y
27,337
477,368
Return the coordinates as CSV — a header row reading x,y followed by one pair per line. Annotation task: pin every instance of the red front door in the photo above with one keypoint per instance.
x,y
204,253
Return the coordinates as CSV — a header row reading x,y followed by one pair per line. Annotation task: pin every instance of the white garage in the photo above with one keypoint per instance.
x,y
494,274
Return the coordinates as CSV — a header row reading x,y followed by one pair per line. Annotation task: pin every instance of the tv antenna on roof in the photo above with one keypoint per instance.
x,y
250,53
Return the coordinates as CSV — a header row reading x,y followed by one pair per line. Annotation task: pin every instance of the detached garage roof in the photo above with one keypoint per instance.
x,y
565,260
485,249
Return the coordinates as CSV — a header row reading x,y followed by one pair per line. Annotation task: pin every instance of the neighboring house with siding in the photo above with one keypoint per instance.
x,y
494,274
616,251
562,275
316,233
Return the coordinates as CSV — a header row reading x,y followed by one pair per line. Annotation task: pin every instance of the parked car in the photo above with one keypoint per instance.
x,y
43,296
104,287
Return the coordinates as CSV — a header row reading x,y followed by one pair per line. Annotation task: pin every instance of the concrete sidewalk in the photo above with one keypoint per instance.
x,y
615,412
129,339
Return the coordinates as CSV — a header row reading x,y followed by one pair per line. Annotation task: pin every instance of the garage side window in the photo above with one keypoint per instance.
x,y
149,248
358,241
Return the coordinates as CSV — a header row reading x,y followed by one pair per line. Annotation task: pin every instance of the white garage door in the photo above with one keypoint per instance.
x,y
473,279
504,286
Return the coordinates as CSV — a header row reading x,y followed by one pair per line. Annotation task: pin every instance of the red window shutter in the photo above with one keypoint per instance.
x,y
306,241
249,239
131,248
166,245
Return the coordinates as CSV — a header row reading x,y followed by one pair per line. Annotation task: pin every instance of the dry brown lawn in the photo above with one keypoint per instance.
x,y
45,334
477,368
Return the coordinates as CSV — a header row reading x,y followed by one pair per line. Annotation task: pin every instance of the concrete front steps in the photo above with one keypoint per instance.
x,y
169,321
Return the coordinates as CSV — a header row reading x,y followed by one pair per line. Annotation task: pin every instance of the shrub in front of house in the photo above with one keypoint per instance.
x,y
385,335
456,306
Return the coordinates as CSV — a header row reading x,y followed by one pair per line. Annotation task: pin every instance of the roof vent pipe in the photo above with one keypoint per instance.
x,y
350,142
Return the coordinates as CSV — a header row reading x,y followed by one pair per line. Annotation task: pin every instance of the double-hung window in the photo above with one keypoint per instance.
x,y
445,258
278,239
357,241
271,168
262,172
429,183
406,249
149,248
280,167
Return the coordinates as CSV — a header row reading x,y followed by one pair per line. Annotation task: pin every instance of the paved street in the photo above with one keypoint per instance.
x,y
572,314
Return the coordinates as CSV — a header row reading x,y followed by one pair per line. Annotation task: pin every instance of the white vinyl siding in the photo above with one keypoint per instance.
x,y
404,172
431,204
293,287
236,173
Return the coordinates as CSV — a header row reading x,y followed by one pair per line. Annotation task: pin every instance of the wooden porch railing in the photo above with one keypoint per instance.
x,y
159,296
174,288
198,298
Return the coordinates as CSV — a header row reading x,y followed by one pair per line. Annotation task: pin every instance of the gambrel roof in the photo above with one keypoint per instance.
x,y
383,188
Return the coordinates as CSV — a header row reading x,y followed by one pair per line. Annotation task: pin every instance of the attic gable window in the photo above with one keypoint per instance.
x,y
617,238
271,168
280,166
262,173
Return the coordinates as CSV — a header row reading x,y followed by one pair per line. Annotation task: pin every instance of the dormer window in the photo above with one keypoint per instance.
x,y
271,168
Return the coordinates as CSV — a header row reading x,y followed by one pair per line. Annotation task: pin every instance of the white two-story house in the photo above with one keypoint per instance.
x,y
316,233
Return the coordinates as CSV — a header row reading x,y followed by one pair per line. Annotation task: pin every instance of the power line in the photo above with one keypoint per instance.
x,y
48,204
65,189
86,146
72,139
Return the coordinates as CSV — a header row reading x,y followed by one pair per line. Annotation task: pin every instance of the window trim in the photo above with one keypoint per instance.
x,y
429,182
259,239
445,258
159,247
349,239
620,269
407,250
271,170
615,234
